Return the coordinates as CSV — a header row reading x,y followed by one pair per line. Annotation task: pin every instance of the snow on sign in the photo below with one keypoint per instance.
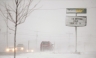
x,y
74,21
76,10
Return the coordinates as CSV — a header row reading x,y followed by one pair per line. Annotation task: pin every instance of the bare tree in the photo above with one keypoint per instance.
x,y
17,14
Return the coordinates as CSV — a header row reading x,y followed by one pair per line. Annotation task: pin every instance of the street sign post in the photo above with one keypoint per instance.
x,y
78,21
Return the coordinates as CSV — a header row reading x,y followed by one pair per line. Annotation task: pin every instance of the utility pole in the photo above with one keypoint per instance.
x,y
28,44
69,39
54,47
36,39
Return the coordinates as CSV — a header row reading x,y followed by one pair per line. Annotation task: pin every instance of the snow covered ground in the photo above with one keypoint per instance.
x,y
48,54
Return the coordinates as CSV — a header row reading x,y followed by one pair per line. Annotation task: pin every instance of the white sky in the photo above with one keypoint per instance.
x,y
50,24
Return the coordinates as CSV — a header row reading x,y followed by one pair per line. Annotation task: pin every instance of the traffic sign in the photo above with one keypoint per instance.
x,y
76,21
76,10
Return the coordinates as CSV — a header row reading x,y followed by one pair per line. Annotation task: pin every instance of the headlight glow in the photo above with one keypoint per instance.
x,y
27,50
7,50
13,49
32,50
22,48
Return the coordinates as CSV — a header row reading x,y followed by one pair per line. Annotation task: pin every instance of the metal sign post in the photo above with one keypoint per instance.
x,y
76,37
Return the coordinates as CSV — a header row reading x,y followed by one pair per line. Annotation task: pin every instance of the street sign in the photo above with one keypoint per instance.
x,y
76,10
76,21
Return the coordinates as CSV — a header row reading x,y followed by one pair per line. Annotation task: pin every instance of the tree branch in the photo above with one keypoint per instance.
x,y
19,2
21,11
12,9
25,12
8,26
10,15
22,18
3,14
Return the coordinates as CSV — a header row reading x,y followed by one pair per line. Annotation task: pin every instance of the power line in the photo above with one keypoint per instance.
x,y
65,8
69,0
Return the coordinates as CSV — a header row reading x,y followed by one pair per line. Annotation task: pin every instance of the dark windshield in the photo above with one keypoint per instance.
x,y
20,45
45,43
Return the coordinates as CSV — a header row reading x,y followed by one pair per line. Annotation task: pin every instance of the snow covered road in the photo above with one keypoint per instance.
x,y
50,55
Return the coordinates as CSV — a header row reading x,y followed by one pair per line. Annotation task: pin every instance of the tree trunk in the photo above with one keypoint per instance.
x,y
15,41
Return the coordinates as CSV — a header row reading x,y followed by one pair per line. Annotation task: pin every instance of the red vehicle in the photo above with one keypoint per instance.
x,y
46,45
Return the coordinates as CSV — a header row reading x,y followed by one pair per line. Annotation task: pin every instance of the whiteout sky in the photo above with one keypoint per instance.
x,y
49,21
